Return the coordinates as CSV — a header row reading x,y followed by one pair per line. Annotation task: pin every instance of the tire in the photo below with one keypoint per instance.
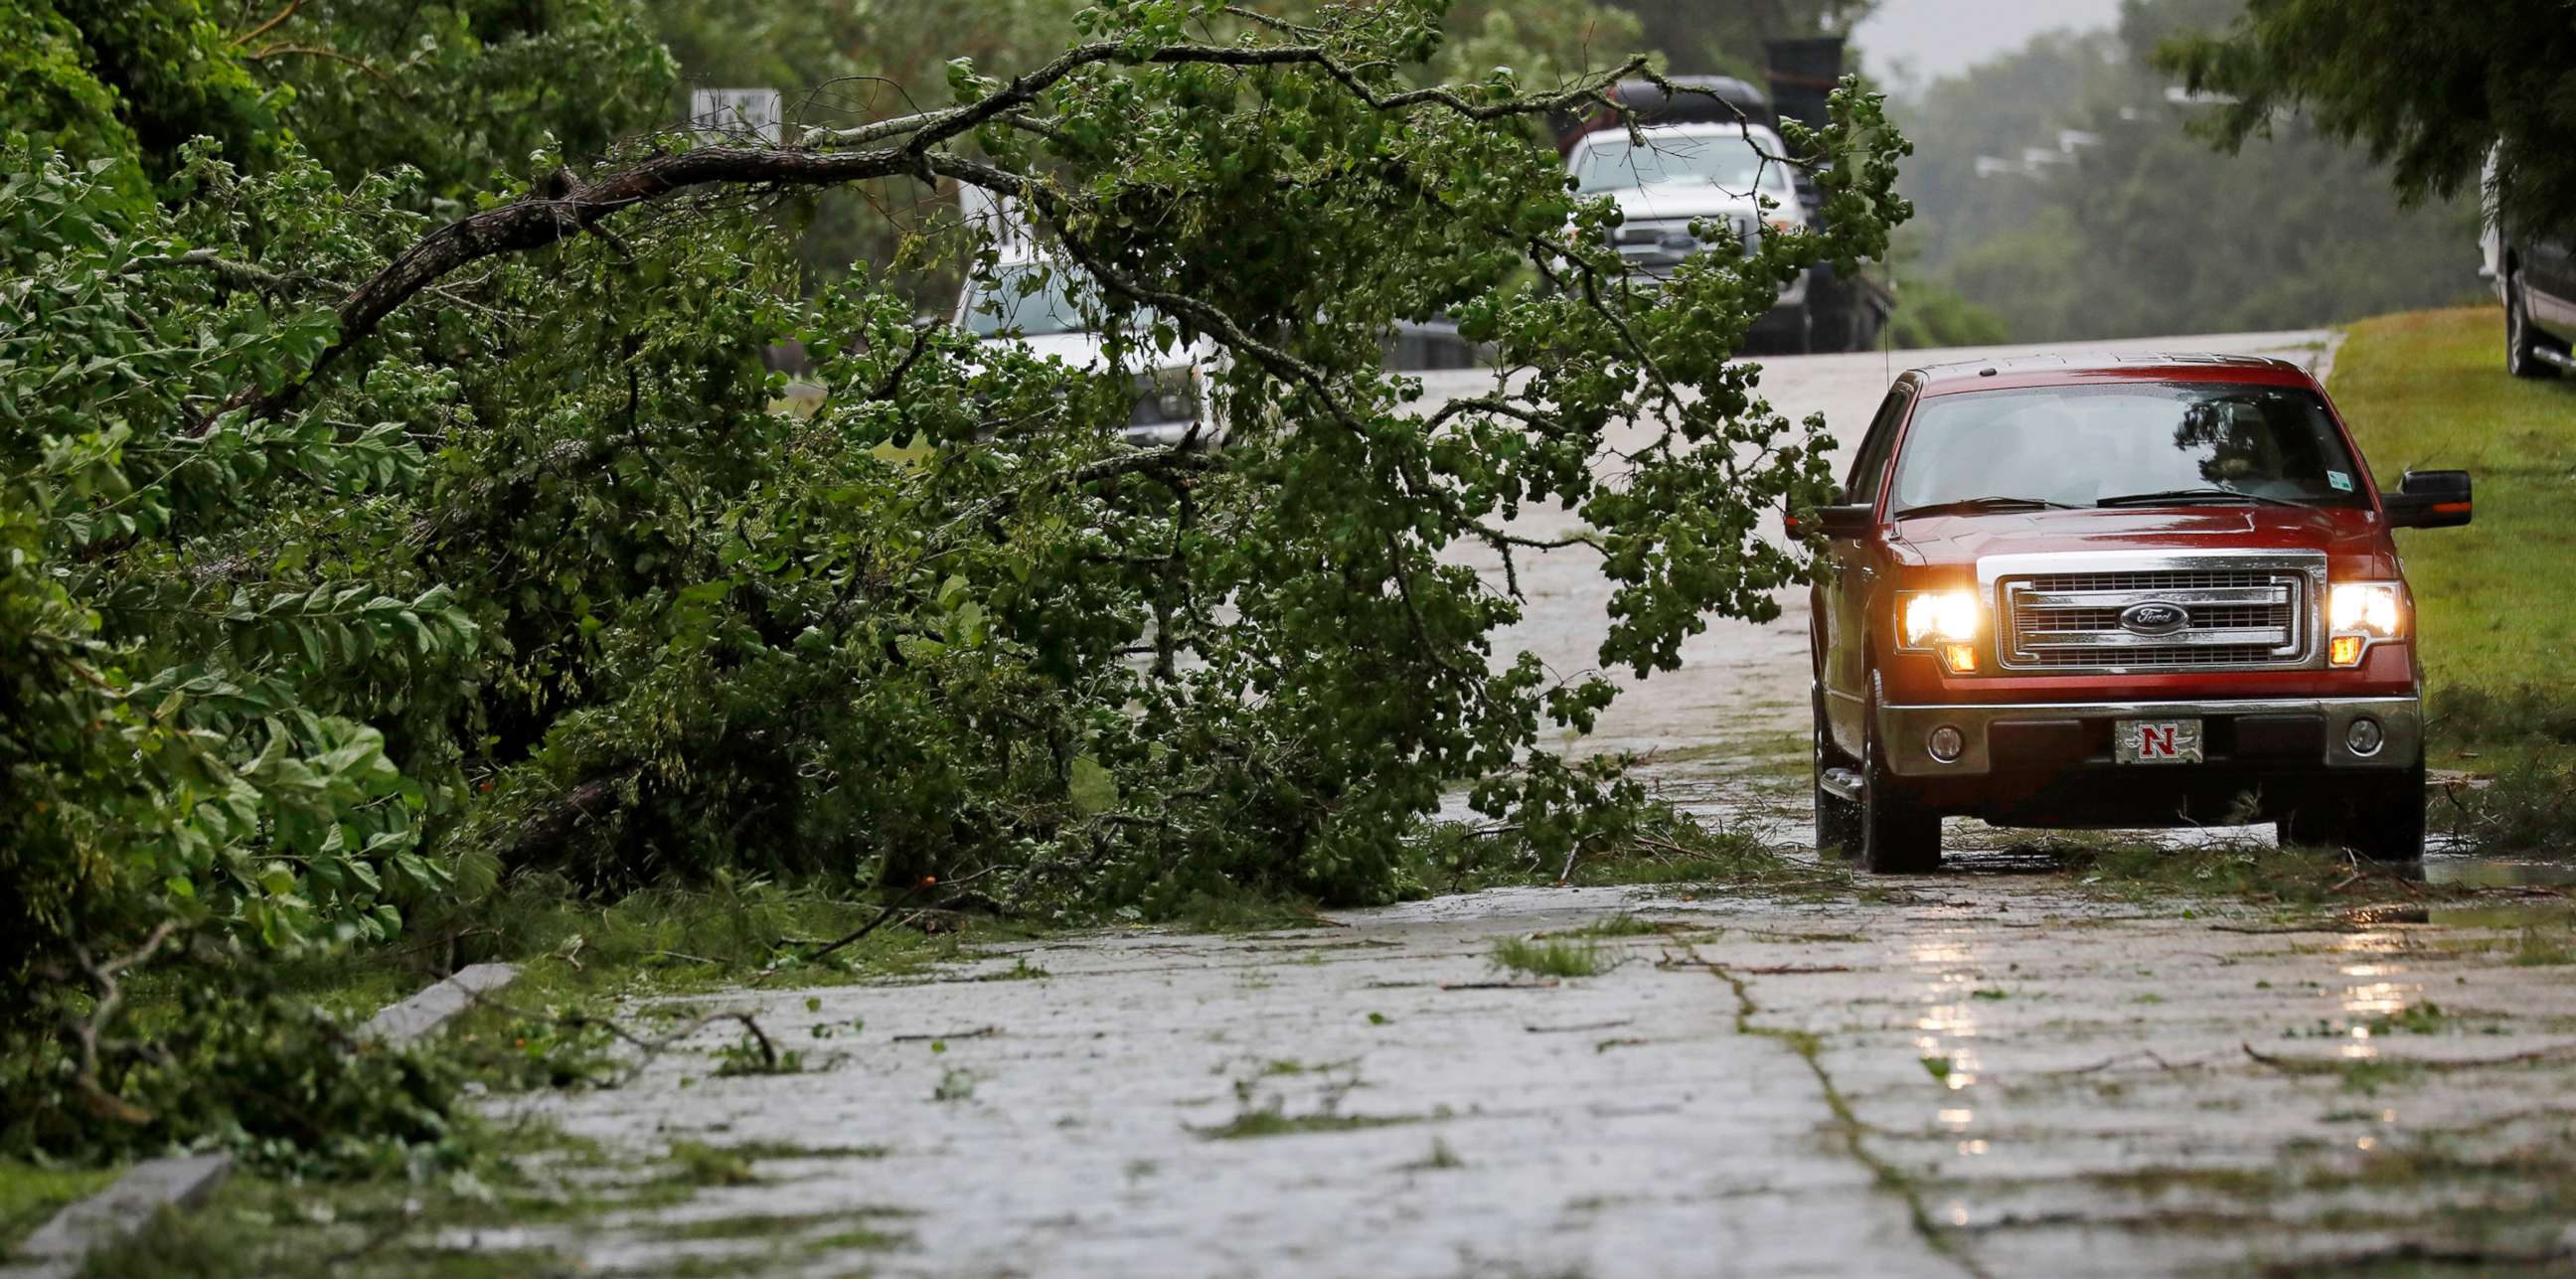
x,y
1865,325
1896,836
1831,330
2521,341
1837,819
2381,819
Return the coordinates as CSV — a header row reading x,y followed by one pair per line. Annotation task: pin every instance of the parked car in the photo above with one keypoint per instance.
x,y
1725,178
2117,592
1052,309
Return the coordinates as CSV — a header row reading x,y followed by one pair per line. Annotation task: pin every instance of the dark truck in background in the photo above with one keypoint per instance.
x,y
1841,313
2536,278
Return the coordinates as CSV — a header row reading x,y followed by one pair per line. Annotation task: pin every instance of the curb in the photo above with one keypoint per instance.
x,y
429,1009
60,1246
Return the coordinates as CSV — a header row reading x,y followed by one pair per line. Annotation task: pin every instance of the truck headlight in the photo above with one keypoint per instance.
x,y
1926,618
1165,396
2358,613
2366,608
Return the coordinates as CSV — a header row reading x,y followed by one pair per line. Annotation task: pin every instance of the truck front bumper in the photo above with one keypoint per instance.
x,y
2270,736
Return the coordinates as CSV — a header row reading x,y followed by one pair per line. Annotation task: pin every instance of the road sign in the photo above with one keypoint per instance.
x,y
1002,221
737,113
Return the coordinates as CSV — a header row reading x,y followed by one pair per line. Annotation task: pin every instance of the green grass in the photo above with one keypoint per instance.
x,y
1620,925
30,1194
1272,1123
2428,390
2299,880
1550,958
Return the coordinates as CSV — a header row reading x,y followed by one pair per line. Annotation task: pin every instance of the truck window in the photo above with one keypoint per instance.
x,y
1037,299
2090,445
1870,465
1729,162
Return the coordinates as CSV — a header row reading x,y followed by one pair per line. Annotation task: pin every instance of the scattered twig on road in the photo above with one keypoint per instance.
x,y
2150,1054
1542,983
2355,924
1589,1025
980,1032
1670,962
2431,1253
901,900
650,1048
2325,1065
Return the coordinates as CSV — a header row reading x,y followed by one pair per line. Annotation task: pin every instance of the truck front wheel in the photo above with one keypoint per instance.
x,y
2380,819
1837,818
1896,837
2521,341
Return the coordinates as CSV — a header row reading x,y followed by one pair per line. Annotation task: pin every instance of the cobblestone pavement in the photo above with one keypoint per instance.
x,y
1975,1073
1993,1071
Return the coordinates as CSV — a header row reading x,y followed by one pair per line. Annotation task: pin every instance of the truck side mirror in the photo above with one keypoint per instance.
x,y
2429,499
1829,522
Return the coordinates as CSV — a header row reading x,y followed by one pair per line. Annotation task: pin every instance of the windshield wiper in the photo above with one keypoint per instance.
x,y
1984,504
2176,496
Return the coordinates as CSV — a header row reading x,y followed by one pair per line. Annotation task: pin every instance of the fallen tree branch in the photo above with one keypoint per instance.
x,y
108,997
570,207
651,1047
980,1032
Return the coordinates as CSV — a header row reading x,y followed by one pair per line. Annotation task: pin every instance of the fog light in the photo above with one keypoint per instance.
x,y
2345,650
2365,737
1959,659
1945,743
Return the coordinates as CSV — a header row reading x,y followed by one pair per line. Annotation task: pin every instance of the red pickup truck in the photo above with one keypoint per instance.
x,y
2117,592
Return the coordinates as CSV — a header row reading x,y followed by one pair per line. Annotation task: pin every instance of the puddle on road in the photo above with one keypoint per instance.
x,y
1777,815
2520,915
2494,872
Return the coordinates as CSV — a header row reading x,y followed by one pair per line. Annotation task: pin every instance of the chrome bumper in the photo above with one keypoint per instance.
x,y
1170,434
1902,730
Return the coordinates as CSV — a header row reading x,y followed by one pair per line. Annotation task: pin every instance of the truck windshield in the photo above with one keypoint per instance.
x,y
1035,299
1726,161
2133,444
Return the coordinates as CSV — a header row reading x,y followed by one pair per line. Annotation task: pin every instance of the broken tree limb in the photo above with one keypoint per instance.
x,y
569,207
542,832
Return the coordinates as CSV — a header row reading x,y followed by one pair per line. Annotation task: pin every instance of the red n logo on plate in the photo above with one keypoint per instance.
x,y
2156,741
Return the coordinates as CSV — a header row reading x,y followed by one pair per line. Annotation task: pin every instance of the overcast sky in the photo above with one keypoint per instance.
x,y
1910,41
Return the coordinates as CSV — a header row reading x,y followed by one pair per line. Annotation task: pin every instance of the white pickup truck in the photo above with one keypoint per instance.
x,y
1051,309
1728,175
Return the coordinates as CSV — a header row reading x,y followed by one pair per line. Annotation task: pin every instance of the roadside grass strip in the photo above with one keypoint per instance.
x,y
153,1187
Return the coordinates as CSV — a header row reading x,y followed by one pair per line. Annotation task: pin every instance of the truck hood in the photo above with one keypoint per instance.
x,y
1672,200
1083,351
2355,540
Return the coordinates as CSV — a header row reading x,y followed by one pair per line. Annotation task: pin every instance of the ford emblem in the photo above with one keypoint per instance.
x,y
2154,617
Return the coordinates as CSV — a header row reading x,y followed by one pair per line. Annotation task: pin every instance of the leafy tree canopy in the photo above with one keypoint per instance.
x,y
2428,89
463,91
2062,189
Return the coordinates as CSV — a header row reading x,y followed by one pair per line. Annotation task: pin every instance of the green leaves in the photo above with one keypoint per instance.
x,y
1091,786
552,572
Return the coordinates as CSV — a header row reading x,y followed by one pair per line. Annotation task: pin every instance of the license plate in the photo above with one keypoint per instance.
x,y
2156,741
